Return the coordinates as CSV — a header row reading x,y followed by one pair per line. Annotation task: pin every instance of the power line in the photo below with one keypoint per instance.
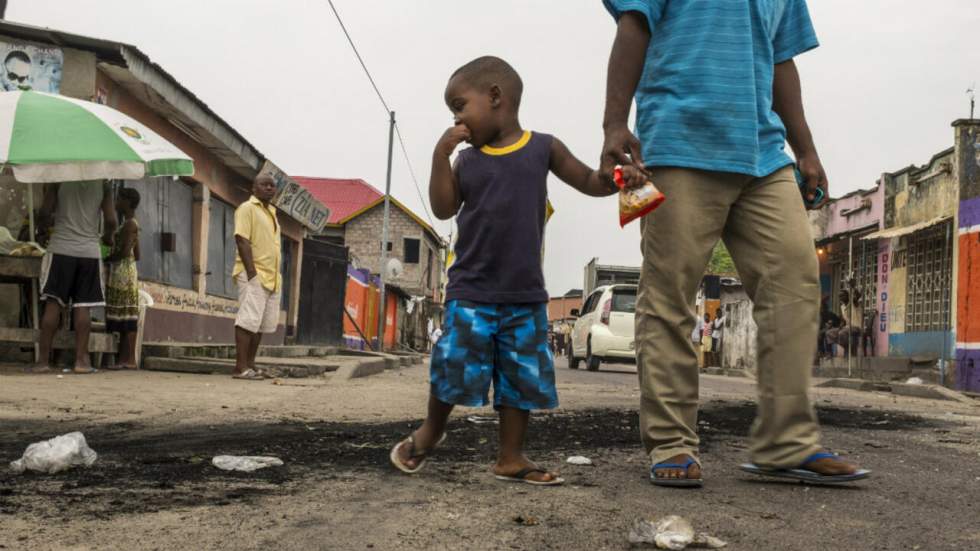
x,y
361,60
411,172
401,141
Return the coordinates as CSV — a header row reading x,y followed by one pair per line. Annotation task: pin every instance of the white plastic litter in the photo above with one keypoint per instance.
x,y
55,455
914,381
245,463
578,460
671,532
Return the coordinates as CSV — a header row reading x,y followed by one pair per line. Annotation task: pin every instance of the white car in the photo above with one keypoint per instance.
x,y
604,331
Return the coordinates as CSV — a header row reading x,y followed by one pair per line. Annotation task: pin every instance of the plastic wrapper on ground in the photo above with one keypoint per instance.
x,y
671,532
56,455
245,463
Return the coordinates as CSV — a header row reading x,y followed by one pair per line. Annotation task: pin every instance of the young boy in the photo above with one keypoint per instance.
x,y
496,325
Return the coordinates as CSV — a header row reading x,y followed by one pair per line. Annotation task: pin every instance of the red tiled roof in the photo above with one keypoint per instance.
x,y
343,197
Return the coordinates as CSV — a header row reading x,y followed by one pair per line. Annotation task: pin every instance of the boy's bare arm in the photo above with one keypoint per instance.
x,y
443,188
625,68
109,221
787,102
576,174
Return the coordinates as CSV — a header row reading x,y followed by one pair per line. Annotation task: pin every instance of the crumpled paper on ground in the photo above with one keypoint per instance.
x,y
245,463
671,532
55,455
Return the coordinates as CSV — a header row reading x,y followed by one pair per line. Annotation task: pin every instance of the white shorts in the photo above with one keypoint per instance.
x,y
258,308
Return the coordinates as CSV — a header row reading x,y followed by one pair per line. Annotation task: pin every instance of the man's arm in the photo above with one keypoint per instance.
x,y
109,222
787,102
443,188
245,253
625,68
48,206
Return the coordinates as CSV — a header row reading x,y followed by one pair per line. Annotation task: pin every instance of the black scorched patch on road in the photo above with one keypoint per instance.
x,y
142,471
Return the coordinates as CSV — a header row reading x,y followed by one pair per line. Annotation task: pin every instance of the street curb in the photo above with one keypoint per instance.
x,y
361,369
929,392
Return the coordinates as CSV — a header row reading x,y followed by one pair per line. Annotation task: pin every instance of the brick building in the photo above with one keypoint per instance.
x,y
356,220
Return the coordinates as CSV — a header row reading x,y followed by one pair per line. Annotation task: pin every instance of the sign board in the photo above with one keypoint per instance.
x,y
30,67
295,200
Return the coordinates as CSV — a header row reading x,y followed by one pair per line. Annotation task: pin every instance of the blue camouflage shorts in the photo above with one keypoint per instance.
x,y
506,344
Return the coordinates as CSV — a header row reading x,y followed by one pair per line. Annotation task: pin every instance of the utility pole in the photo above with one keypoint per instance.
x,y
971,92
384,239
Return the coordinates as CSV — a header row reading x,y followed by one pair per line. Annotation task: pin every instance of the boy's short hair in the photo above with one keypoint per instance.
x,y
487,70
131,196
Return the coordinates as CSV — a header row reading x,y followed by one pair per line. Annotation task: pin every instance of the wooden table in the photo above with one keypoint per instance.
x,y
26,270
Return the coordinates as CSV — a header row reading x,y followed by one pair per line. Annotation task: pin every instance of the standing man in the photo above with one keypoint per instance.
x,y
717,96
71,270
257,236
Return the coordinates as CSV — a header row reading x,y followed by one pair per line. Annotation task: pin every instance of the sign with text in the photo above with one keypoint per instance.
x,y
295,200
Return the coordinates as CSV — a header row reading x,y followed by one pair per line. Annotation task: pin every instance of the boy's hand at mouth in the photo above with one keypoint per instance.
x,y
451,138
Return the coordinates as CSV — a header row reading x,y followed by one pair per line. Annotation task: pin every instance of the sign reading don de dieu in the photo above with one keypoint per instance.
x,y
295,200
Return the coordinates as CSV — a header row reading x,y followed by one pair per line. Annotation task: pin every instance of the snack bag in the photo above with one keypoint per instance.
x,y
635,202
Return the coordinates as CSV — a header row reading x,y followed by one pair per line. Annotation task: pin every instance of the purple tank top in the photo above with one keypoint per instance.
x,y
501,223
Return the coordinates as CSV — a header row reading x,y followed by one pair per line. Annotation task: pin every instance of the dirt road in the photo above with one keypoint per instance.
x,y
153,486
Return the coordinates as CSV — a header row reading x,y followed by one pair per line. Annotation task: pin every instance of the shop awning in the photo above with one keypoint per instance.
x,y
905,230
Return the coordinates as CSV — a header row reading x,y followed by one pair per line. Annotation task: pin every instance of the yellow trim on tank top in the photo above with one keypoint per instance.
x,y
510,148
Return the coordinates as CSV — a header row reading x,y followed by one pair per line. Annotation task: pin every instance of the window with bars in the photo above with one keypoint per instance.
x,y
929,261
861,263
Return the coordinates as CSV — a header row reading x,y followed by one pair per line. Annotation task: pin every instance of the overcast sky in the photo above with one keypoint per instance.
x,y
880,93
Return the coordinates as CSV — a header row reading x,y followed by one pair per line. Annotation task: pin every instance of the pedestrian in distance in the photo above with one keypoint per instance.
x,y
717,330
259,242
122,308
496,327
718,96
71,269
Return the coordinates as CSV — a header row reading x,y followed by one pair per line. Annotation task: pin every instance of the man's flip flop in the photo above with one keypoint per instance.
x,y
676,482
806,475
521,476
412,454
248,375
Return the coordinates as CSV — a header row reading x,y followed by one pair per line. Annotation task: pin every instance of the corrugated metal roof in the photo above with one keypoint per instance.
x,y
343,197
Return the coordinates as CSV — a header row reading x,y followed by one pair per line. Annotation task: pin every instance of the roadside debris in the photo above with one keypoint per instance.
x,y
579,460
55,455
482,420
526,520
245,463
671,532
914,381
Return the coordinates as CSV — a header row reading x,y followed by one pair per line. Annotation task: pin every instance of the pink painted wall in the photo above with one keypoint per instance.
x,y
837,223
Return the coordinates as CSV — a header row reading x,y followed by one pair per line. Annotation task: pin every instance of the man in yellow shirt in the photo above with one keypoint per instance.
x,y
259,242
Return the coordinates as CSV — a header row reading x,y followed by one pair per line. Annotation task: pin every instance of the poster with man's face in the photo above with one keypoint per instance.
x,y
30,67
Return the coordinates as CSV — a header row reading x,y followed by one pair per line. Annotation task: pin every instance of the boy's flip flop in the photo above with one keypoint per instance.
x,y
806,475
676,482
412,454
521,476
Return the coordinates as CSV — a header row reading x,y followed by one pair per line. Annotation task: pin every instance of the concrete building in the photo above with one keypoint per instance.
x,y
187,225
597,275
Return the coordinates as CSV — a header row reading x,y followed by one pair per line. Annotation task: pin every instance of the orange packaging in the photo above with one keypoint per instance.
x,y
635,202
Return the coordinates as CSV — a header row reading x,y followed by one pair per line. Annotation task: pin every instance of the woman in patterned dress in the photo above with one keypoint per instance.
x,y
122,290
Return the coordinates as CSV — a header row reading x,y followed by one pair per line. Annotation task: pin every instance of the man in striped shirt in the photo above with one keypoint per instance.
x,y
717,96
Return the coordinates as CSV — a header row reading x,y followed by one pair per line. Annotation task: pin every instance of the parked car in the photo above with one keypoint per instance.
x,y
604,331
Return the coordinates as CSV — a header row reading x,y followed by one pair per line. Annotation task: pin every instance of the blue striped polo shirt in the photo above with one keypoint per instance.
x,y
705,97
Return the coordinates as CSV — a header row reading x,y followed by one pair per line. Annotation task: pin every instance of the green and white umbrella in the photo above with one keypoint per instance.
x,y
51,138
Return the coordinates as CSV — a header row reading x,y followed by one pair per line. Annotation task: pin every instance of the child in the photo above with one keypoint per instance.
x,y
122,290
496,325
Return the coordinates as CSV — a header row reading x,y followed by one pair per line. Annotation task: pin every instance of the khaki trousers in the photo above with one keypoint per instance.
x,y
765,227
